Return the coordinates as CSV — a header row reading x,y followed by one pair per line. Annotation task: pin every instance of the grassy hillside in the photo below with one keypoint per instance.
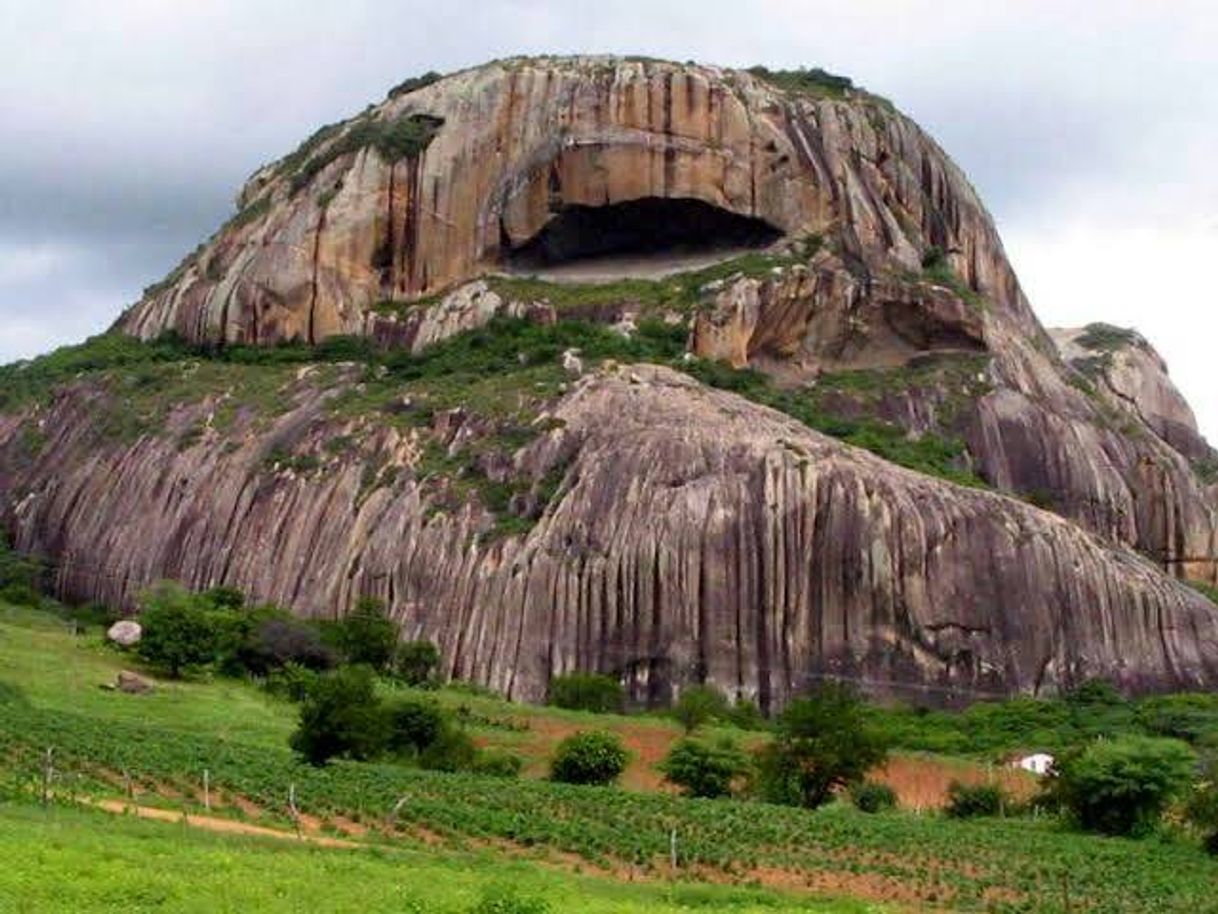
x,y
163,742
90,861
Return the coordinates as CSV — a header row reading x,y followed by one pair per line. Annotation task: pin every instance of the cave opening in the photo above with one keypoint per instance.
x,y
648,236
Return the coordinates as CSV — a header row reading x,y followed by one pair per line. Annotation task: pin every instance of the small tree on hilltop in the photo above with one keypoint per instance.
x,y
341,716
698,706
589,758
822,742
1122,786
179,632
702,770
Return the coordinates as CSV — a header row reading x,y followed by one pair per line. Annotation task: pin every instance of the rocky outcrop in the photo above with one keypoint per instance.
x,y
329,231
692,535
680,533
1135,375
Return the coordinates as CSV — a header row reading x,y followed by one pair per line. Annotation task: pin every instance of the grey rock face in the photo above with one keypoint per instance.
x,y
694,534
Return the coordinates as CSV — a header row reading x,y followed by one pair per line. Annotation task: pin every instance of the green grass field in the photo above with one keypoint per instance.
x,y
73,861
164,741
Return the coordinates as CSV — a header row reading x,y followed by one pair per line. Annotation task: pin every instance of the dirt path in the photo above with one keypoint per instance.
x,y
214,824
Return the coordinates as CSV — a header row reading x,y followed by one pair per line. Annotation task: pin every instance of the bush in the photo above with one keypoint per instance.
x,y
276,642
589,758
507,900
871,796
698,706
180,632
1122,786
416,662
586,692
366,635
970,801
747,716
416,724
19,577
451,750
823,742
702,770
341,716
292,682
499,764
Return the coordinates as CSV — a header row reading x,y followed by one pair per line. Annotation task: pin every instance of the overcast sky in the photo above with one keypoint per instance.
x,y
1090,127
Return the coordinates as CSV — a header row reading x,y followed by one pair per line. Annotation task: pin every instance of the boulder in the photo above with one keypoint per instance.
x,y
132,683
125,633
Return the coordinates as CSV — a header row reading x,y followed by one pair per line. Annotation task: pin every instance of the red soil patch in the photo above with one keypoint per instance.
x,y
921,782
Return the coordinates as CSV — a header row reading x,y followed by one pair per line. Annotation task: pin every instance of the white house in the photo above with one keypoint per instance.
x,y
1038,763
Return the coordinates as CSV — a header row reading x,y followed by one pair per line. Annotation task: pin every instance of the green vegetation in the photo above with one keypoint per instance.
x,y
102,864
586,692
681,292
1122,786
703,769
164,740
932,454
991,728
699,705
872,797
1106,338
183,631
401,138
341,716
806,81
414,83
589,758
971,801
366,635
20,577
251,212
822,743
938,270
416,663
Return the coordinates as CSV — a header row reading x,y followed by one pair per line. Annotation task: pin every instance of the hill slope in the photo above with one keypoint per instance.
x,y
533,518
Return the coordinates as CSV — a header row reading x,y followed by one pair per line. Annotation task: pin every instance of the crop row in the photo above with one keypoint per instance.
x,y
1001,865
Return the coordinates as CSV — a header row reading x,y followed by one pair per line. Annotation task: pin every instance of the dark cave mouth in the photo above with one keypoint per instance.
x,y
647,236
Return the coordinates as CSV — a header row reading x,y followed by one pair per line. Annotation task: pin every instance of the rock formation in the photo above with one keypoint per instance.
x,y
627,518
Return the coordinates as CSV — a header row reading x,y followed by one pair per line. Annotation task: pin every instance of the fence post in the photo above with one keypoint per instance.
x,y
391,820
207,790
48,771
672,849
294,810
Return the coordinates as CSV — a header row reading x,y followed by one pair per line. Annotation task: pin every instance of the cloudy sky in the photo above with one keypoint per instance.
x,y
1090,128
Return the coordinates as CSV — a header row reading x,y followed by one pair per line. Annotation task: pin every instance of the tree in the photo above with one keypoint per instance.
x,y
872,797
586,692
703,770
1122,786
589,758
970,801
275,642
698,706
19,577
415,724
416,662
822,742
367,635
179,632
1202,806
341,716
